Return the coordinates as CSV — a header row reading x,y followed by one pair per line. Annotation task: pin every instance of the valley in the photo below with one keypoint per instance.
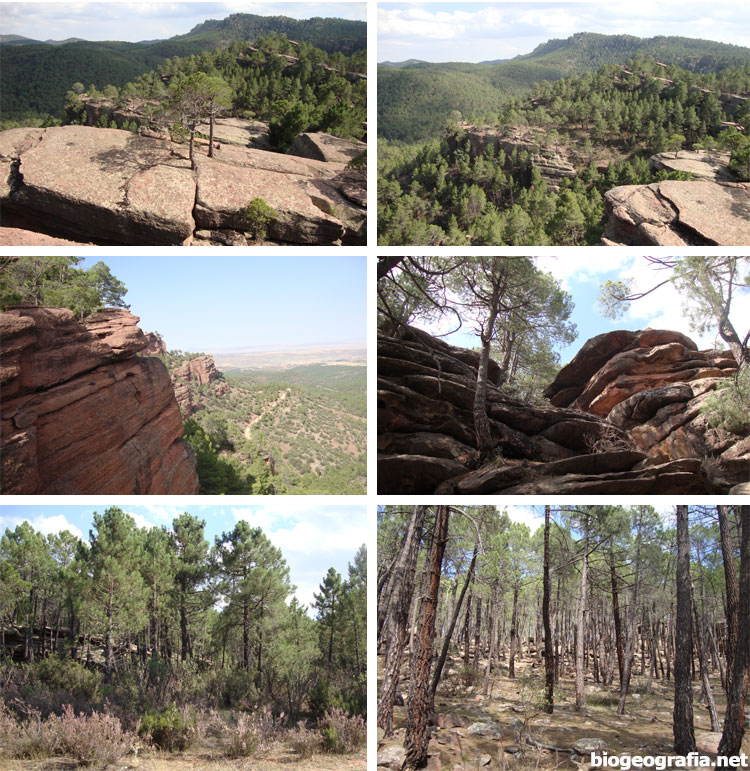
x,y
596,139
300,430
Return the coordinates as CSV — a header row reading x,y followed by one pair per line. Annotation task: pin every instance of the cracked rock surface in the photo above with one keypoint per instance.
x,y
107,186
673,213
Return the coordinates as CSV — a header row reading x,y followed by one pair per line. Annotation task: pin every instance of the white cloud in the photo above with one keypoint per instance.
x,y
141,521
582,267
46,525
526,515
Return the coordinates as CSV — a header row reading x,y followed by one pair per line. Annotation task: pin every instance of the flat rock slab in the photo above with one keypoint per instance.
x,y
326,147
221,197
21,237
238,131
671,213
700,165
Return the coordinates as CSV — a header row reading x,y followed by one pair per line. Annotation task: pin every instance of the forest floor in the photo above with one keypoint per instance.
x,y
461,709
278,758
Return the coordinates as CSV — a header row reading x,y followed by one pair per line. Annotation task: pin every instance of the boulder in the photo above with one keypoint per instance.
x,y
672,213
326,147
587,746
82,413
391,756
487,729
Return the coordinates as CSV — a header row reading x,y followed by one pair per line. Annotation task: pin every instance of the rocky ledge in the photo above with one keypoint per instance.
x,y
672,213
83,413
109,186
624,418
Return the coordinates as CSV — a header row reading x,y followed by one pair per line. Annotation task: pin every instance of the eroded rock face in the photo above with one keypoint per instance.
x,y
155,346
652,384
108,186
671,213
625,419
82,413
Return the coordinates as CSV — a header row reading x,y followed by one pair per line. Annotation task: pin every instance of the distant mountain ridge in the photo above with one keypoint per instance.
x,y
415,97
36,75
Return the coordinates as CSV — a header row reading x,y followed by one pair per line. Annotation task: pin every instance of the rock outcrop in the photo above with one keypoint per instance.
x,y
155,346
83,413
652,384
697,163
624,419
108,186
672,213
555,162
200,370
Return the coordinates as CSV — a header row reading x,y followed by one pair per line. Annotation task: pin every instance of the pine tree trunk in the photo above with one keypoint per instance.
x,y
616,613
734,718
396,621
549,661
732,592
449,633
684,735
513,635
631,631
580,623
417,734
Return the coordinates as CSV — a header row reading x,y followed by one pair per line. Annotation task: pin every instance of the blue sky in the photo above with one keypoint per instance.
x,y
473,32
147,21
311,538
583,273
201,303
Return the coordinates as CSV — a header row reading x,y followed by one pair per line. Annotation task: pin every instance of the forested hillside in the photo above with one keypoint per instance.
x,y
35,78
154,641
297,431
536,172
412,114
584,629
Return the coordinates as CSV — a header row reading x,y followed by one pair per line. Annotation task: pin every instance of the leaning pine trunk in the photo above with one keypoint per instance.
x,y
211,136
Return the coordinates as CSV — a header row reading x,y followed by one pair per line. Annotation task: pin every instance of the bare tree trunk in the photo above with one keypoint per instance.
x,y
549,660
734,718
616,613
631,631
732,589
417,736
684,735
707,693
513,635
580,625
449,633
398,617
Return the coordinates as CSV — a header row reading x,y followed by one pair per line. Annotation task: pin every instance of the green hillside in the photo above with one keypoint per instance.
x,y
34,77
416,97
295,431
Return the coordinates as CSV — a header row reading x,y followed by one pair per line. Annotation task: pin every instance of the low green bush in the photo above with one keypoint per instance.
x,y
167,729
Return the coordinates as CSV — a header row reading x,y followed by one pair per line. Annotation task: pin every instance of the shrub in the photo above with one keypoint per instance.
x,y
729,406
469,675
342,732
250,733
304,741
167,729
64,674
258,215
97,739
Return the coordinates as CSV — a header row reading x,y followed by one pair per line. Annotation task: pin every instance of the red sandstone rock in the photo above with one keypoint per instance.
x,y
81,413
155,346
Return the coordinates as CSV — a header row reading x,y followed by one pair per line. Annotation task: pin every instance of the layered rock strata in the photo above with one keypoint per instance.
x,y
673,213
109,186
600,435
82,413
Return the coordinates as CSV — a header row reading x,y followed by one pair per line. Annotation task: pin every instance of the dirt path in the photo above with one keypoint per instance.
x,y
283,395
